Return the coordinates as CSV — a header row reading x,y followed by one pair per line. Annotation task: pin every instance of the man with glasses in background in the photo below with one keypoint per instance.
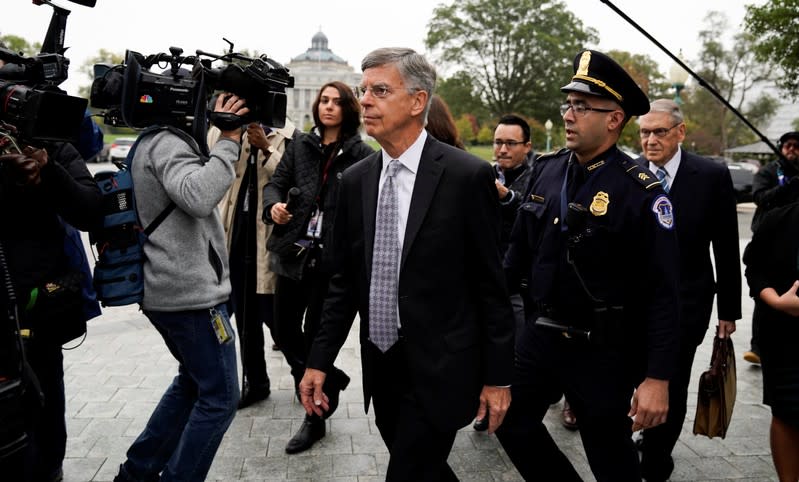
x,y
705,212
595,240
513,166
775,184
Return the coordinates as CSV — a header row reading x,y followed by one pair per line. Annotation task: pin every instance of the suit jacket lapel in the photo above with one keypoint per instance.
x,y
369,200
427,177
684,174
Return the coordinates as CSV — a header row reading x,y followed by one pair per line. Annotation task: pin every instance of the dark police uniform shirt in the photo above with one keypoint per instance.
x,y
626,257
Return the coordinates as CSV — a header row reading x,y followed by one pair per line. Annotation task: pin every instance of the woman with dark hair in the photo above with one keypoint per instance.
x,y
313,164
441,125
772,272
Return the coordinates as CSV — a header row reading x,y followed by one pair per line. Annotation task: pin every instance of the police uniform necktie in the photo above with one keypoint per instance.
x,y
661,174
576,179
385,265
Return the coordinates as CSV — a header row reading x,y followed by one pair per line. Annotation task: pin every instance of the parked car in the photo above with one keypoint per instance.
x,y
742,174
119,148
104,155
742,178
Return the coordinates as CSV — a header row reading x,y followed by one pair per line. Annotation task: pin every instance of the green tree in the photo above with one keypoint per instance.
x,y
460,94
485,135
644,71
735,74
466,130
795,125
517,52
773,27
20,45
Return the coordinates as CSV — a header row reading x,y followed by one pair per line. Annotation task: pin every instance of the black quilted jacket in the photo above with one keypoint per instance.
x,y
301,166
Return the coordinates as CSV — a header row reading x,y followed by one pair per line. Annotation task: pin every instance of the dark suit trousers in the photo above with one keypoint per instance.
x,y
658,442
594,381
418,451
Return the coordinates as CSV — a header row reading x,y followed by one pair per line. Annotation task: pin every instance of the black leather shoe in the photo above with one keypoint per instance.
x,y
312,429
250,395
656,471
336,382
481,424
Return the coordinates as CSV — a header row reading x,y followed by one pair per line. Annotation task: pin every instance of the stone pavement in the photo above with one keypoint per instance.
x,y
115,378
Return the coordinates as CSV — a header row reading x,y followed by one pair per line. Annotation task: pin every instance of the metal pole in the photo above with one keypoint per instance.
x,y
696,76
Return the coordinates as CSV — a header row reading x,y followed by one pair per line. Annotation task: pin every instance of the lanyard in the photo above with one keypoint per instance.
x,y
326,170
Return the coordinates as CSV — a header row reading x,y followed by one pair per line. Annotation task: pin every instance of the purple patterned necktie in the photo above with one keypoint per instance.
x,y
385,265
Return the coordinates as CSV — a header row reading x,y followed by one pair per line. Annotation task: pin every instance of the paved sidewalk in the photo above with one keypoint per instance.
x,y
114,380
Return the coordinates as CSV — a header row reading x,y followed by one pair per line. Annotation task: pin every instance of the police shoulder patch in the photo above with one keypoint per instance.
x,y
641,175
549,155
664,211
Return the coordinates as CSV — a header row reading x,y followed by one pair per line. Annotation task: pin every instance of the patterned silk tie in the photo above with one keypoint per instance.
x,y
661,174
385,265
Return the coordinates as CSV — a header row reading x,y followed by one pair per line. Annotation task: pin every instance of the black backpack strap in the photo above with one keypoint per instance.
x,y
159,219
129,159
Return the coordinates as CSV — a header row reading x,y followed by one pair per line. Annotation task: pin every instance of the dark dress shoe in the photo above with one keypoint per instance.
x,y
481,424
334,384
656,470
252,395
567,417
312,429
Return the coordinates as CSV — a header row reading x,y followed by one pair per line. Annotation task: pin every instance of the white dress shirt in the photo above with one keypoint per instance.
x,y
404,179
671,167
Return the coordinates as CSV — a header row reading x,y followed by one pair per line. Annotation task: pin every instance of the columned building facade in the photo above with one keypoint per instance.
x,y
311,70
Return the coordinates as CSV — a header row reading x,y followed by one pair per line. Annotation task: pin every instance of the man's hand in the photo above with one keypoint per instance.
x,y
257,137
27,166
650,404
311,395
502,190
495,401
227,103
279,213
726,328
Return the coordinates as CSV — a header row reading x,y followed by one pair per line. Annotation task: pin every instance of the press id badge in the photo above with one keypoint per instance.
x,y
315,225
221,326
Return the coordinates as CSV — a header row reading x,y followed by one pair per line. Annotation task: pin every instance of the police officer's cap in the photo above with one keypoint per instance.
x,y
789,135
597,74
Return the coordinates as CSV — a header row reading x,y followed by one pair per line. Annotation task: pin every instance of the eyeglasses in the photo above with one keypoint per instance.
x,y
660,132
510,144
380,91
581,109
791,145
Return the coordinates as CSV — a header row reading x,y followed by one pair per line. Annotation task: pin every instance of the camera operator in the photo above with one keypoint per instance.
x,y
38,189
186,289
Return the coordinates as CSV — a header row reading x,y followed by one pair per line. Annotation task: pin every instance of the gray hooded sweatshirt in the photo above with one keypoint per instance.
x,y
187,261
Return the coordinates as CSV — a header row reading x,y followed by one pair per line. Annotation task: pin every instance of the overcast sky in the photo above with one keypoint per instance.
x,y
283,30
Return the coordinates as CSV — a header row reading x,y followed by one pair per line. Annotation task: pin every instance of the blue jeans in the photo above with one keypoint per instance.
x,y
184,431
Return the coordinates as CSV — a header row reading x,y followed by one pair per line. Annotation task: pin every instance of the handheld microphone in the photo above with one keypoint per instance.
x,y
291,198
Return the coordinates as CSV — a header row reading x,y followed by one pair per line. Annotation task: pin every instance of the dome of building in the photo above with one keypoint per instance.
x,y
319,51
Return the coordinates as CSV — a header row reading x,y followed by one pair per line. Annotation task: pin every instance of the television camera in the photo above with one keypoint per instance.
x,y
32,107
137,97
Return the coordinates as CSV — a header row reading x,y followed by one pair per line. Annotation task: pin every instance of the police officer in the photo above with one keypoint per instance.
x,y
595,238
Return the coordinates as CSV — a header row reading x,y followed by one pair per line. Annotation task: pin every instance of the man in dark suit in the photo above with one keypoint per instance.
x,y
705,212
416,246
